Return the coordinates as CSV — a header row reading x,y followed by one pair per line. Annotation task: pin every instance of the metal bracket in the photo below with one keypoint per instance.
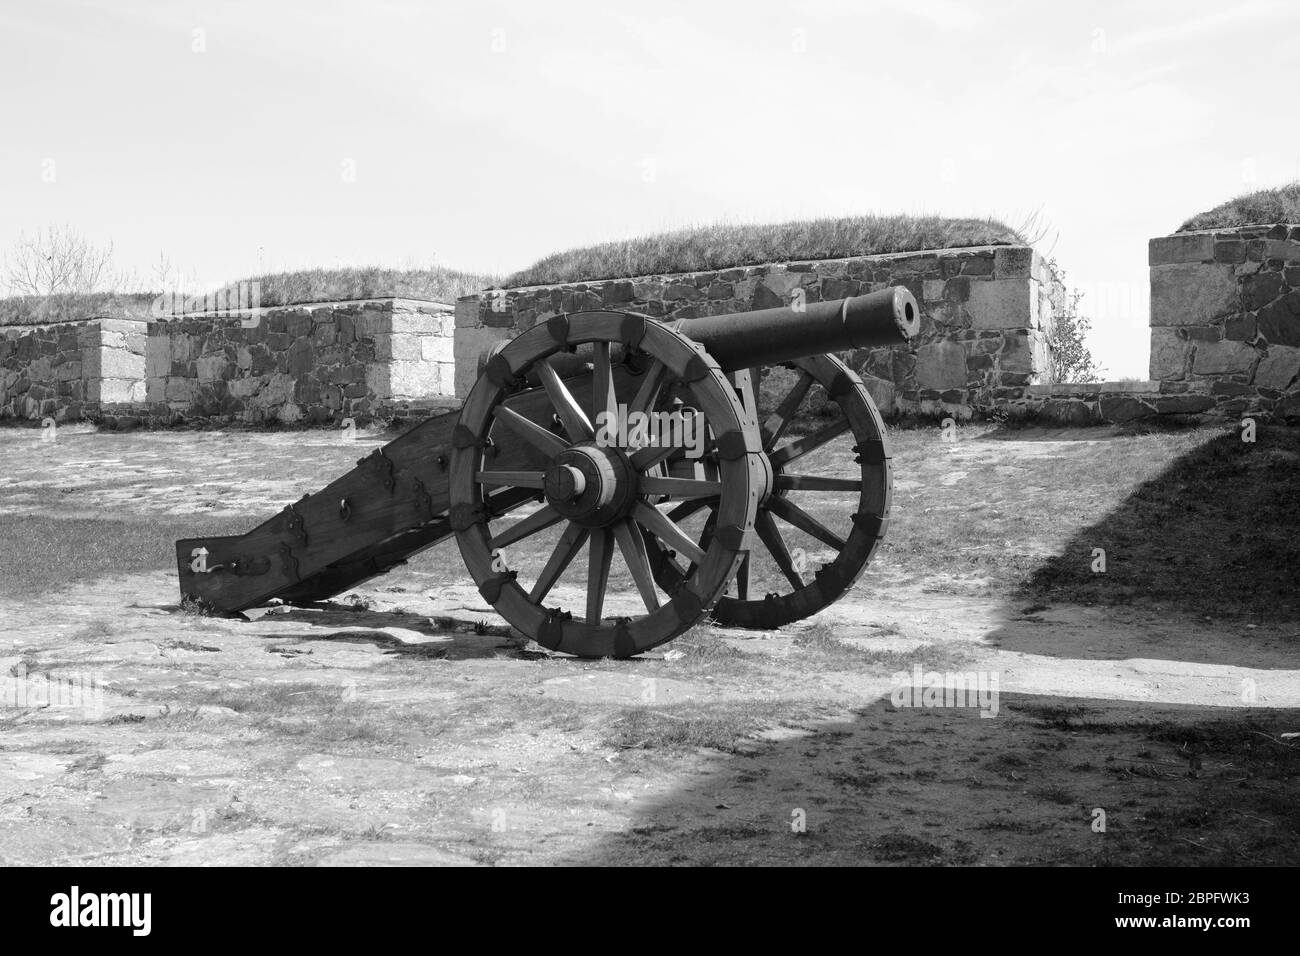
x,y
558,327
295,524
631,331
422,497
870,451
289,562
731,445
551,632
383,466
464,516
491,588
624,645
499,373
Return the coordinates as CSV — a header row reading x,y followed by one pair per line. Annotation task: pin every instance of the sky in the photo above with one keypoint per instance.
x,y
236,138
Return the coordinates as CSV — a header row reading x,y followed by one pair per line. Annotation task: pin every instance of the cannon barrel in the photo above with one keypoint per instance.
x,y
770,336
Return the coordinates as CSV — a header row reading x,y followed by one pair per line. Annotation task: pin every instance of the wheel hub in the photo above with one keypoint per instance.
x,y
591,486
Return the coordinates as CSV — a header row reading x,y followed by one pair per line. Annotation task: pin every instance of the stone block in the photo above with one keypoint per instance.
x,y
1068,411
415,380
1183,404
1279,322
120,363
1192,294
1000,304
398,346
179,390
1170,354
436,349
1279,368
1223,358
941,365
1187,247
1124,408
881,392
1013,262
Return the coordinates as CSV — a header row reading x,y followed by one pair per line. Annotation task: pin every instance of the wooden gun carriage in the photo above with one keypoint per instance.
x,y
550,431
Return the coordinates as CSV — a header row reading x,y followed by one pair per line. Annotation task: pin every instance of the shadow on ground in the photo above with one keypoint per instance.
x,y
1211,546
1177,786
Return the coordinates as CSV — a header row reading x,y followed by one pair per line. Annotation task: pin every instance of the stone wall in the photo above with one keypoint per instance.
x,y
1097,403
986,319
73,370
1225,315
312,363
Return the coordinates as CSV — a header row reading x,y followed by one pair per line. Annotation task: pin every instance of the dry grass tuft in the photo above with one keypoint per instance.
x,y
1264,207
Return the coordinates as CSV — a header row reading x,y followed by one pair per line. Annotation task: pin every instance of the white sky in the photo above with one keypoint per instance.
x,y
484,135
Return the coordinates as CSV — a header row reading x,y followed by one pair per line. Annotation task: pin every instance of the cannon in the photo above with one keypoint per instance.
x,y
611,431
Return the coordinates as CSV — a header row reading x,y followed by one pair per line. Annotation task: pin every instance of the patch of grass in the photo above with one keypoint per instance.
x,y
820,640
273,699
88,763
1262,207
931,657
59,309
723,727
189,646
904,848
434,283
724,245
1006,763
705,651
1054,794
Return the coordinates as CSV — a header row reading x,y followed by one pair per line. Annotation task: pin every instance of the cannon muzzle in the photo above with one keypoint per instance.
x,y
771,336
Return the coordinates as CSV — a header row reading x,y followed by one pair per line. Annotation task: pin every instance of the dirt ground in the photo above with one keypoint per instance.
x,y
403,723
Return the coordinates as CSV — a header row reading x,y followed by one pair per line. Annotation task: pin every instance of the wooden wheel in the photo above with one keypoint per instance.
x,y
816,532
600,493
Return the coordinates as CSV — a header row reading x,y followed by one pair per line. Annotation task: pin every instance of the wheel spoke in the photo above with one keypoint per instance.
x,y
566,406
548,443
543,517
780,419
511,479
648,393
815,483
771,537
790,512
632,545
643,459
742,579
679,487
801,446
599,557
602,382
686,509
745,382
566,549
653,520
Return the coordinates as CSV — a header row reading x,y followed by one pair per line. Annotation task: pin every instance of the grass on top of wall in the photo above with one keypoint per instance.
x,y
1266,206
722,246
435,283
59,309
